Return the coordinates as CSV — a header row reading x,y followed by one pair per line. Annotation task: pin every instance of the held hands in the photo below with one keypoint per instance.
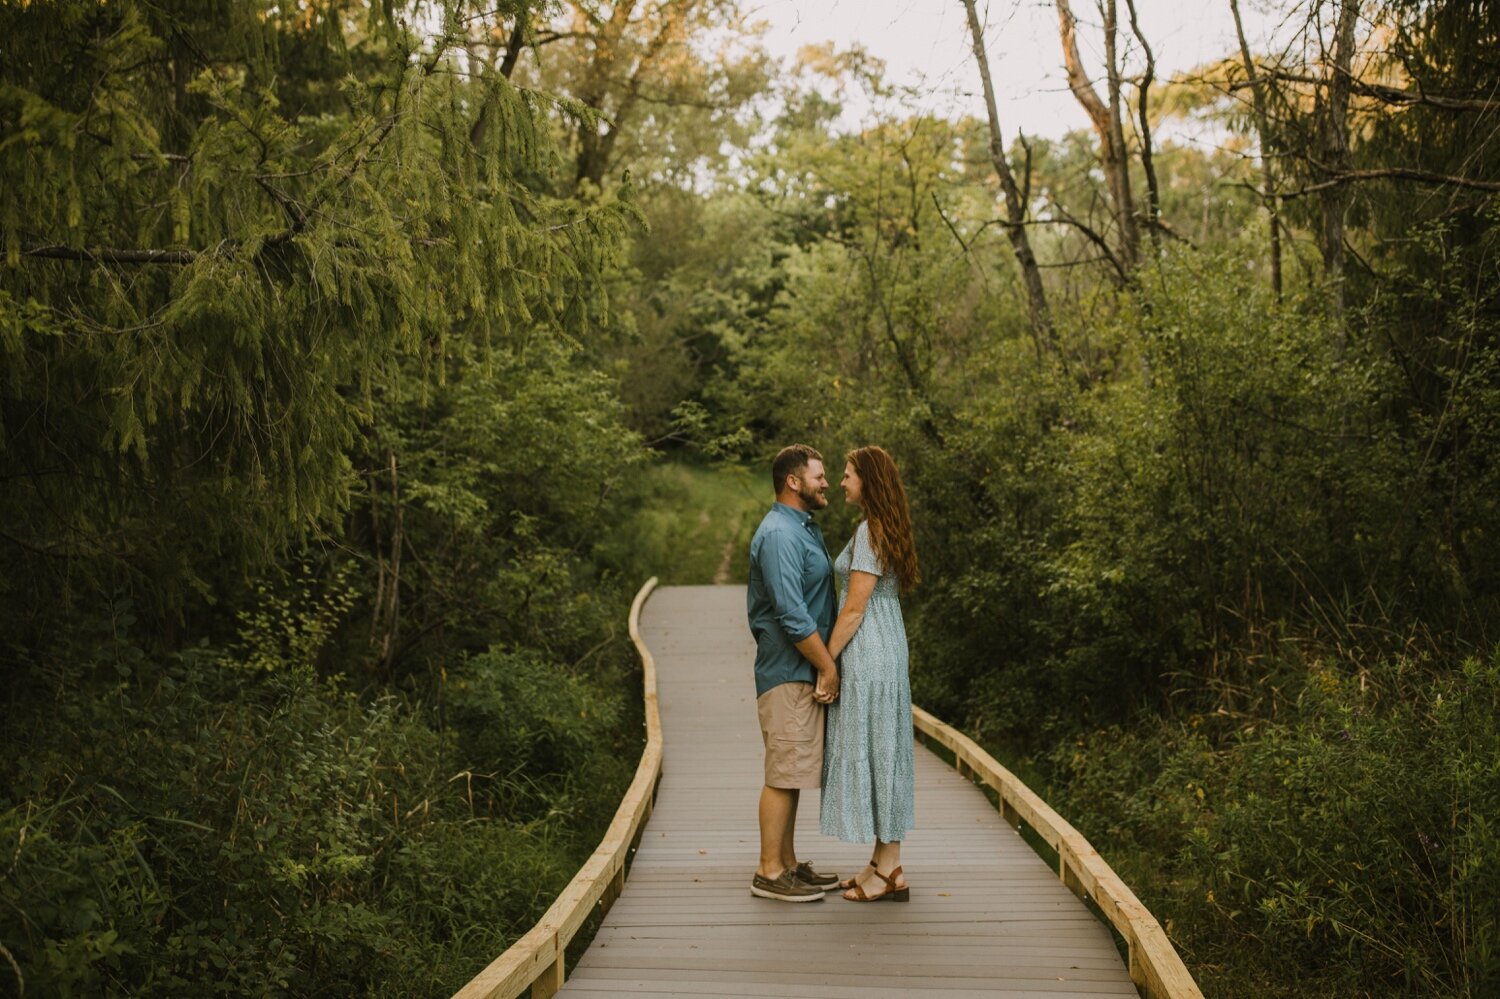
x,y
826,690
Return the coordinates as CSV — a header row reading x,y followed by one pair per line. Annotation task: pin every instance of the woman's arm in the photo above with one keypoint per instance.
x,y
861,585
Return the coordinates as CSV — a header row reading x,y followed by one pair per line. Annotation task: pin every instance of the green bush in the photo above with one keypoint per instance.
x,y
1236,470
1352,837
195,826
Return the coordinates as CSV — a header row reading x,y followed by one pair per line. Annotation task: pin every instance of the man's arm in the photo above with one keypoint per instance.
x,y
781,566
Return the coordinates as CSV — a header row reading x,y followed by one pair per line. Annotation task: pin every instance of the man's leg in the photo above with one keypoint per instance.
x,y
789,833
778,816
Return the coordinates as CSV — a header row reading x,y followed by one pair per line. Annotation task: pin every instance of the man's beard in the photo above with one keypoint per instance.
x,y
811,498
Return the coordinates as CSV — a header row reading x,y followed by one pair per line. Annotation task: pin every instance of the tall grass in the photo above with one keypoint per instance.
x,y
692,523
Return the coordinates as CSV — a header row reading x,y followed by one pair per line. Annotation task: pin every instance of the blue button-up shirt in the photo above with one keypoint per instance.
x,y
791,595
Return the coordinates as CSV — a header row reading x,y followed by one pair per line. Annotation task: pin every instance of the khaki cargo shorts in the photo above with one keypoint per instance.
x,y
791,723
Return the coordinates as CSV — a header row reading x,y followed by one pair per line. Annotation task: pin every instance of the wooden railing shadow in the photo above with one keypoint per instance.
x,y
535,963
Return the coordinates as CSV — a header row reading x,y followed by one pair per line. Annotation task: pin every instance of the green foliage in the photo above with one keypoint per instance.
x,y
274,836
503,482
691,524
305,489
310,246
293,623
1352,836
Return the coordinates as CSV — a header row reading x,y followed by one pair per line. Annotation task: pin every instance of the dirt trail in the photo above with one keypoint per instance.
x,y
721,574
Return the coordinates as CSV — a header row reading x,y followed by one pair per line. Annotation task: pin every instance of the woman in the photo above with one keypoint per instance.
x,y
867,759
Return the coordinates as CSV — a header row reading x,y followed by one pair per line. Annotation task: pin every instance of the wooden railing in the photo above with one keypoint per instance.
x,y
535,961
1155,967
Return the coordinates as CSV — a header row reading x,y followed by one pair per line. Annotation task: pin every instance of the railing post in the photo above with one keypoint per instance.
x,y
550,980
1137,970
1066,875
616,886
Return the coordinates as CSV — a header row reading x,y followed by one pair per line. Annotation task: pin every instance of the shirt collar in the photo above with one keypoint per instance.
x,y
803,517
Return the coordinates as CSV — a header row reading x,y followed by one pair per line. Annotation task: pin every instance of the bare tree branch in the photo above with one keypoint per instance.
x,y
1015,205
1061,216
1153,190
1395,173
1389,95
106,255
1267,173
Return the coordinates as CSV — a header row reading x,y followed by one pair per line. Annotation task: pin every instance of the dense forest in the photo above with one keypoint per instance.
x,y
360,358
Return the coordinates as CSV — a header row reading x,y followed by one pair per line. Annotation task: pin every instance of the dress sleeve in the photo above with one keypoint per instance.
x,y
862,557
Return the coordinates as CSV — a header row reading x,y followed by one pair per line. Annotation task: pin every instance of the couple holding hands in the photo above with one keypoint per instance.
x,y
833,694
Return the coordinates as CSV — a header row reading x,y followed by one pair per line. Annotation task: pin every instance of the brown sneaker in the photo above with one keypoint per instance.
x,y
807,875
785,887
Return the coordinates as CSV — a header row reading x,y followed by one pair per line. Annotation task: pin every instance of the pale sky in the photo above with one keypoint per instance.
x,y
926,43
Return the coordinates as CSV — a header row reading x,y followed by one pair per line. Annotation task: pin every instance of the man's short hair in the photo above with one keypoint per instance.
x,y
791,460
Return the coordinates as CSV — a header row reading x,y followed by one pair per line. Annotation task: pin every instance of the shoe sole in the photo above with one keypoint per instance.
x,y
898,895
776,896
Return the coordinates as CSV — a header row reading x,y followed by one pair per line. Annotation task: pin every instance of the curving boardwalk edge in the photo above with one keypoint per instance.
x,y
535,961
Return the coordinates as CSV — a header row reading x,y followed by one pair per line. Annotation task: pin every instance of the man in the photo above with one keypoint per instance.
x,y
791,608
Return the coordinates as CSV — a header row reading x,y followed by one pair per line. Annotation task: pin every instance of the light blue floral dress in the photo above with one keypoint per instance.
x,y
867,753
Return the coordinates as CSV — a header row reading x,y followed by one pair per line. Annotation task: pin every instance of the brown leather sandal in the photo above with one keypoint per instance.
x,y
902,894
848,883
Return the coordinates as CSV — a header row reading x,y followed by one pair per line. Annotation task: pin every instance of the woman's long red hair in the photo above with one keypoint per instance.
x,y
887,512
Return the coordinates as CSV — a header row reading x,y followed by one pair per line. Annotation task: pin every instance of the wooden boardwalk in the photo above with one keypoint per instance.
x,y
987,916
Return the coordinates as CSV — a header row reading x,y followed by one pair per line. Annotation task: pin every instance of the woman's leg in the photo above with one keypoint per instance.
x,y
886,859
863,875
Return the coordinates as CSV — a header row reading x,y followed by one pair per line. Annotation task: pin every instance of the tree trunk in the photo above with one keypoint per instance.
x,y
1267,169
385,623
1106,122
1333,141
516,43
1153,190
609,70
1015,206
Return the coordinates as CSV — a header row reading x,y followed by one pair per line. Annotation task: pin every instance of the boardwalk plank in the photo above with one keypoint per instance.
x,y
987,916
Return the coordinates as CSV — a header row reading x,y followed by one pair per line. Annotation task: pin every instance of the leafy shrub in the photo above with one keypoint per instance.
x,y
1353,837
268,832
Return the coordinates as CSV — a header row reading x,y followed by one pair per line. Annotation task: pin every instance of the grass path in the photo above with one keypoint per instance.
x,y
722,574
695,521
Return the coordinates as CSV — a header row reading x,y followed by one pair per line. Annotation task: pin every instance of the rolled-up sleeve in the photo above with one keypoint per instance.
x,y
780,558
